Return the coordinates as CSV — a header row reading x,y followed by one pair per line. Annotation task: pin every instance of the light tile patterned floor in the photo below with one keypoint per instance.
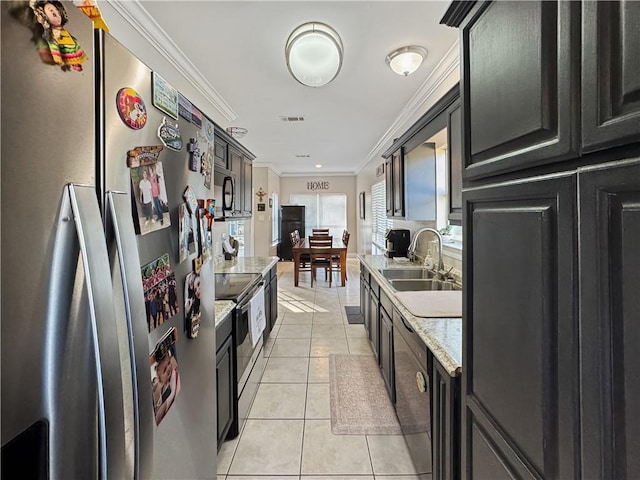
x,y
288,434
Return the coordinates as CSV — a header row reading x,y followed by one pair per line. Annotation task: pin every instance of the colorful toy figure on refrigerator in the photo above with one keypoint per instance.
x,y
64,49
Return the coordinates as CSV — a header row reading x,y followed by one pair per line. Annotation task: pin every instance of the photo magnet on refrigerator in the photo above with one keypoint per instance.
x,y
160,291
193,147
192,313
165,97
150,194
165,377
190,198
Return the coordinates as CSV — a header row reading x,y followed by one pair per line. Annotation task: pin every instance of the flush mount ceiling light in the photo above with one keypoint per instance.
x,y
314,54
406,60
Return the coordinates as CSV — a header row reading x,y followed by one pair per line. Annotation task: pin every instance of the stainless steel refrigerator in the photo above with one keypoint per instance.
x,y
77,394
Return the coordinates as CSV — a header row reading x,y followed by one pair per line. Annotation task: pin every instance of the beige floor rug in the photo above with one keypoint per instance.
x,y
359,400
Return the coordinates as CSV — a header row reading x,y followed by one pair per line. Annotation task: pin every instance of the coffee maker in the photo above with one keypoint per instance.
x,y
397,242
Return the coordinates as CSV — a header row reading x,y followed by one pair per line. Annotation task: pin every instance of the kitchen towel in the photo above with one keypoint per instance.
x,y
435,304
257,318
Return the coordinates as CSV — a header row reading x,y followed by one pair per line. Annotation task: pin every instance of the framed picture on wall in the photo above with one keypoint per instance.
x,y
362,209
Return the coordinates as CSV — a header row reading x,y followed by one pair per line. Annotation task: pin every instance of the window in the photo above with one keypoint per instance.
x,y
380,222
275,228
324,210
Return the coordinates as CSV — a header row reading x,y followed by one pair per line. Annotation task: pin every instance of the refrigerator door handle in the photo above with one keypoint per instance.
x,y
121,232
93,250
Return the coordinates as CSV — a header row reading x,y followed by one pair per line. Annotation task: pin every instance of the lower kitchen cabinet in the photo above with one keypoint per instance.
x,y
385,333
445,423
374,315
224,377
270,300
386,352
609,233
520,340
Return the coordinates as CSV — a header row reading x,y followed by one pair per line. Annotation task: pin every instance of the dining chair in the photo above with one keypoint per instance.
x,y
320,231
320,256
304,265
335,258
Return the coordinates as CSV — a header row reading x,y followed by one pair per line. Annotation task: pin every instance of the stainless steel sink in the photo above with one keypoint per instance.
x,y
412,285
407,273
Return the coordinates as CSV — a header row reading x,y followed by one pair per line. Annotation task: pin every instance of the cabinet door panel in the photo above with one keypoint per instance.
x,y
454,155
610,74
519,82
398,184
247,186
224,388
610,307
520,338
388,181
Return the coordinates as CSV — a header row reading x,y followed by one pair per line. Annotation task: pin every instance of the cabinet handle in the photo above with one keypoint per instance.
x,y
421,382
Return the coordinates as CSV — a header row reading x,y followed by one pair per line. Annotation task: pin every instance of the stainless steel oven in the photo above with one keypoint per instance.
x,y
249,361
412,396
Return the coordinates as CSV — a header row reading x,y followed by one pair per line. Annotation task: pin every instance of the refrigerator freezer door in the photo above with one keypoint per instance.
x,y
48,140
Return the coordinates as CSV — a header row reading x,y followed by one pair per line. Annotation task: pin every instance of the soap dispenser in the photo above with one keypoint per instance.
x,y
428,260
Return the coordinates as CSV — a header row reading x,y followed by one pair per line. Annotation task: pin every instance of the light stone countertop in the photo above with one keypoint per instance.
x,y
443,336
223,308
259,265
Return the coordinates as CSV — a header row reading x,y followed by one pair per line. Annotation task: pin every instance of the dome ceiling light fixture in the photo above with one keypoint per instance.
x,y
406,60
314,54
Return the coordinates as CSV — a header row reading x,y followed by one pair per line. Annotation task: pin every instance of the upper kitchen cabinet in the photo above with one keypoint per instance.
x,y
610,74
454,162
234,160
220,153
519,85
412,164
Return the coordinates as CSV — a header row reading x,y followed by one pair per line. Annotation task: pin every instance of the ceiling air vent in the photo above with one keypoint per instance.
x,y
303,156
285,118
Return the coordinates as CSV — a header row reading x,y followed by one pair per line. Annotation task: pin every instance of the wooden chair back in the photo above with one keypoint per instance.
x,y
345,238
320,256
320,231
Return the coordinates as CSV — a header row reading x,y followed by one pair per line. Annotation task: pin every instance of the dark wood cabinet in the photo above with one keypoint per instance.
x,y
270,300
610,310
247,186
610,74
386,350
520,347
398,184
519,85
374,315
236,165
454,162
220,152
388,181
394,182
225,378
445,423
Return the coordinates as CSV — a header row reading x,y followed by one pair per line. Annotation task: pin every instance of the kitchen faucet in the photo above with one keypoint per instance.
x,y
412,247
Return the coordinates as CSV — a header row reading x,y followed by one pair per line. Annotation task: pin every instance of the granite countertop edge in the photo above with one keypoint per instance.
x,y
223,308
443,336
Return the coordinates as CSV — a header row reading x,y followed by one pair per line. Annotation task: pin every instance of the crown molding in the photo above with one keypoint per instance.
x,y
271,166
138,17
449,63
317,174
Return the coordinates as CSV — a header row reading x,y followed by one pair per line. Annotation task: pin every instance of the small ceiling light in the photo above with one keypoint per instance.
x,y
314,54
318,165
406,60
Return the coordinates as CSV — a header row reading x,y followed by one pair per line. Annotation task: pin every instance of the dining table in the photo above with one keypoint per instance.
x,y
338,247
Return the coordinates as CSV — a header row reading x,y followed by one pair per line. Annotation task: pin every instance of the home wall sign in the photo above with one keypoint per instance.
x,y
318,185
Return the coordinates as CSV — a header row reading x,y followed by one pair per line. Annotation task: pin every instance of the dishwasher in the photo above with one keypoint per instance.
x,y
412,396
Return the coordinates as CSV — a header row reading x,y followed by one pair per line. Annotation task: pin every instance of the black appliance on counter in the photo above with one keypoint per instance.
x,y
248,361
397,242
291,218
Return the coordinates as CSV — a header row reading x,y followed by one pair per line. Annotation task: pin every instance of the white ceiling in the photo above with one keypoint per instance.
x,y
238,47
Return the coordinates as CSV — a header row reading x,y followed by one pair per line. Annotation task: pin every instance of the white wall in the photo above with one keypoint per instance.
x,y
337,184
266,179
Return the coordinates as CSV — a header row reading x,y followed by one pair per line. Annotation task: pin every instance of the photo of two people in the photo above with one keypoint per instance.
x,y
150,194
165,377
